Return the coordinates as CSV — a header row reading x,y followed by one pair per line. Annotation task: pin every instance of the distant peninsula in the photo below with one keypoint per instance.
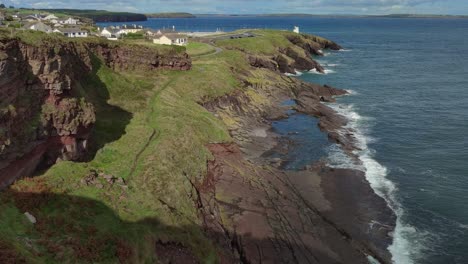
x,y
422,16
171,15
101,15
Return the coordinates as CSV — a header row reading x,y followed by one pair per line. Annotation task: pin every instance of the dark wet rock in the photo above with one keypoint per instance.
x,y
302,62
260,62
312,44
266,219
368,217
283,65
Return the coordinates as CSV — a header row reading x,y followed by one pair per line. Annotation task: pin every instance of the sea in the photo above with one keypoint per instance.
x,y
408,103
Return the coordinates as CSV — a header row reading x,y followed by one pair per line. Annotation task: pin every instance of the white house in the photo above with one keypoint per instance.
x,y
50,17
69,21
111,33
30,18
38,26
159,32
72,32
130,29
115,32
171,39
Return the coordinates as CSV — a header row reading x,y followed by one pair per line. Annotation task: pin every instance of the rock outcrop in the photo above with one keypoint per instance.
x,y
313,44
297,56
43,116
268,215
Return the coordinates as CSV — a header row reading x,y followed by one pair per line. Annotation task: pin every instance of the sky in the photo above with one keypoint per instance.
x,y
359,7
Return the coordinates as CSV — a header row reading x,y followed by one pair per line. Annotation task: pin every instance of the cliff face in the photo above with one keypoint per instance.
x,y
42,116
139,58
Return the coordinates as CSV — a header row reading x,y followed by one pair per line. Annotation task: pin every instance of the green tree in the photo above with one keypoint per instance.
x,y
11,7
2,6
9,18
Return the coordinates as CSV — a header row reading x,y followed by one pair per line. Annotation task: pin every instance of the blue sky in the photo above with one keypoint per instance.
x,y
459,7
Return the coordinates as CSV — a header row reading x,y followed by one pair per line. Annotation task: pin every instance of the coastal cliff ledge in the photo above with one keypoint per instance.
x,y
45,116
173,165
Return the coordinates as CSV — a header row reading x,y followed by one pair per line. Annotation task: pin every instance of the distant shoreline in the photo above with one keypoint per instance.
x,y
170,15
336,16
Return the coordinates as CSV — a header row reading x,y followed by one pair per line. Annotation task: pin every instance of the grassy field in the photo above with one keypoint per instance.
x,y
198,49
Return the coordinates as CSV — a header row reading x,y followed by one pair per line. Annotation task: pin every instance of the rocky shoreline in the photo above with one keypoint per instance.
x,y
316,215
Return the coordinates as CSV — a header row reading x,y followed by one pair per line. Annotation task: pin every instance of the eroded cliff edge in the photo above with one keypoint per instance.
x,y
45,116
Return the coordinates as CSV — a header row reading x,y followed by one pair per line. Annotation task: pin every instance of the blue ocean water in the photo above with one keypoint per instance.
x,y
409,106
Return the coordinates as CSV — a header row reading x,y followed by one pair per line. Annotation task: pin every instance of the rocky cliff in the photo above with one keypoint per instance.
x,y
43,116
296,55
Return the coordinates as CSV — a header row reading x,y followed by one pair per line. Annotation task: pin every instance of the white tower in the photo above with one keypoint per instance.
x,y
296,29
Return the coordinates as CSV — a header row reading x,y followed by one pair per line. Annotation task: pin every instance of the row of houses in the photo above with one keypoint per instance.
x,y
114,33
49,18
69,28
161,36
71,32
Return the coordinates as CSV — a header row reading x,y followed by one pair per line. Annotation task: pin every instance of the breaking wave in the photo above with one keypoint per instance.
x,y
376,174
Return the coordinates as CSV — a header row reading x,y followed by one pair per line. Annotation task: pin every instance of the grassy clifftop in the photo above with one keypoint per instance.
x,y
269,42
135,198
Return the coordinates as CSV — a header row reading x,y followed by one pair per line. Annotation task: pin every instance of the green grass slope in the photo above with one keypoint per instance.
x,y
158,133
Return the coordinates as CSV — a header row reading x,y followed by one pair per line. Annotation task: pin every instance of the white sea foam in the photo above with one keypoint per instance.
x,y
326,71
337,158
376,174
298,73
351,92
326,64
345,50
